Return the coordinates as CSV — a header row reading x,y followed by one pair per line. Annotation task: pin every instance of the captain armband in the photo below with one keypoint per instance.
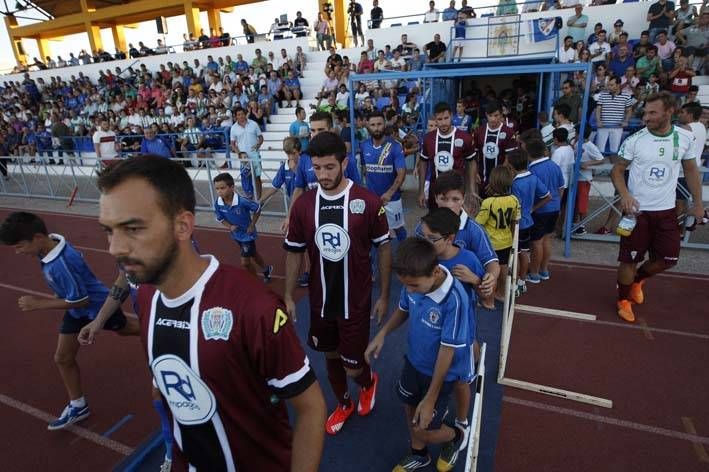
x,y
119,293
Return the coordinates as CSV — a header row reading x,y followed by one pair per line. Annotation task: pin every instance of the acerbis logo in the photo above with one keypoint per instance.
x,y
332,241
189,398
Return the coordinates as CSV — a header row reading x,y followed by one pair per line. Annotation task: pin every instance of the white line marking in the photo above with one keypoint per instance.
x,y
615,269
648,328
610,420
554,312
77,430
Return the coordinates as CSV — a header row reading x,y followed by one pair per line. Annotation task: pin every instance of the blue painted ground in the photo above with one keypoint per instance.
x,y
378,442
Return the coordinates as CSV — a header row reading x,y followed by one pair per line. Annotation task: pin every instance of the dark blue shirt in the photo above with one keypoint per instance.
x,y
549,173
528,189
238,214
71,279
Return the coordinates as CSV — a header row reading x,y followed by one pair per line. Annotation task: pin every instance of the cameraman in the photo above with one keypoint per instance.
x,y
355,11
376,15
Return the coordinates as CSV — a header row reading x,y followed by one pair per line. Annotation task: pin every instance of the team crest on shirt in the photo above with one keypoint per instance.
x,y
357,206
443,161
458,142
502,135
217,323
433,318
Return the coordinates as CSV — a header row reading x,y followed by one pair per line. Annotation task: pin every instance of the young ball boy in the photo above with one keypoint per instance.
x,y
531,193
78,292
437,308
239,216
544,216
440,227
449,191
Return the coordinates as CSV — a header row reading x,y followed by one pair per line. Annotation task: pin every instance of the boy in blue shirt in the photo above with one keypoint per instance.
x,y
439,227
239,216
544,216
449,191
78,292
438,354
461,120
532,194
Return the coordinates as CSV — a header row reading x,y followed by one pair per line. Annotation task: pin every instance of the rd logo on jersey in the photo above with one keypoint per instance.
x,y
217,323
443,161
657,174
189,398
491,150
332,241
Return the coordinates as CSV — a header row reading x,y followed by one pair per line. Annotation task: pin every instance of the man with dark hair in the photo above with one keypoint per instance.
x,y
436,49
338,223
613,111
492,141
78,292
661,15
305,176
654,156
147,208
446,148
570,97
376,15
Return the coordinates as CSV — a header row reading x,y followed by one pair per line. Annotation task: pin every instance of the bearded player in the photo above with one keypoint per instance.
x,y
220,346
338,223
447,148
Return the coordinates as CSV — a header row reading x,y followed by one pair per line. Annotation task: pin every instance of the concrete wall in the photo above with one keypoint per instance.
x,y
152,62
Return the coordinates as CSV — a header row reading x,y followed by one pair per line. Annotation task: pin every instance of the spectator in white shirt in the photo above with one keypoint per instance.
x,y
600,49
105,142
431,15
563,154
567,52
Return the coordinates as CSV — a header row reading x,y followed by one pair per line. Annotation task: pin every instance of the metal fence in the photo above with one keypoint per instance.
x,y
75,179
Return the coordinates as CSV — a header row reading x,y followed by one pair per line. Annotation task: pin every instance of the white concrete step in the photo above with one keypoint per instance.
x,y
276,136
277,127
312,80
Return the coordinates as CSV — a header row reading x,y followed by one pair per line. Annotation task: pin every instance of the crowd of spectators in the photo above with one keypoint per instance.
x,y
189,108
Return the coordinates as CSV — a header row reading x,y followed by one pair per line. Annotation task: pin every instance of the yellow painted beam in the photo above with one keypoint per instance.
x,y
20,57
215,19
44,49
119,37
340,21
192,17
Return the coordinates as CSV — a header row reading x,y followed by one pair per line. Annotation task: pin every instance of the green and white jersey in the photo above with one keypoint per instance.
x,y
655,162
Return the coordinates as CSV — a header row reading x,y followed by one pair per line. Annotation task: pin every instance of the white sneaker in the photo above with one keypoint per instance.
x,y
465,427
166,466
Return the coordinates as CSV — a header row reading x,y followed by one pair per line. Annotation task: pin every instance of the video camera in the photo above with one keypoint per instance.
x,y
328,9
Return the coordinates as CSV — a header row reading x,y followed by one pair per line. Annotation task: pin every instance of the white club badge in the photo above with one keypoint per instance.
x,y
491,150
443,161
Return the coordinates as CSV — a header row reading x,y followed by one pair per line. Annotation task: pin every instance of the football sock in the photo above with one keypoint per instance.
x,y
78,403
338,380
623,291
423,452
364,379
165,426
641,274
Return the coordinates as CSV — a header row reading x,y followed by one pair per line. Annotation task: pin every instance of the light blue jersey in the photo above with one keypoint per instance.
x,y
439,318
382,164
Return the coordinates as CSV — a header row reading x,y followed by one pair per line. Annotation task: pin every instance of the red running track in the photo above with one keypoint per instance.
x,y
114,370
653,371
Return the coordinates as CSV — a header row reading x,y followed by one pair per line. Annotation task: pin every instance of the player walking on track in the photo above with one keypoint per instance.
x,y
338,223
654,156
220,346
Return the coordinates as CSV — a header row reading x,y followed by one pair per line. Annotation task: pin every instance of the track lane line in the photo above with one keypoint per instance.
x,y
693,438
74,429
